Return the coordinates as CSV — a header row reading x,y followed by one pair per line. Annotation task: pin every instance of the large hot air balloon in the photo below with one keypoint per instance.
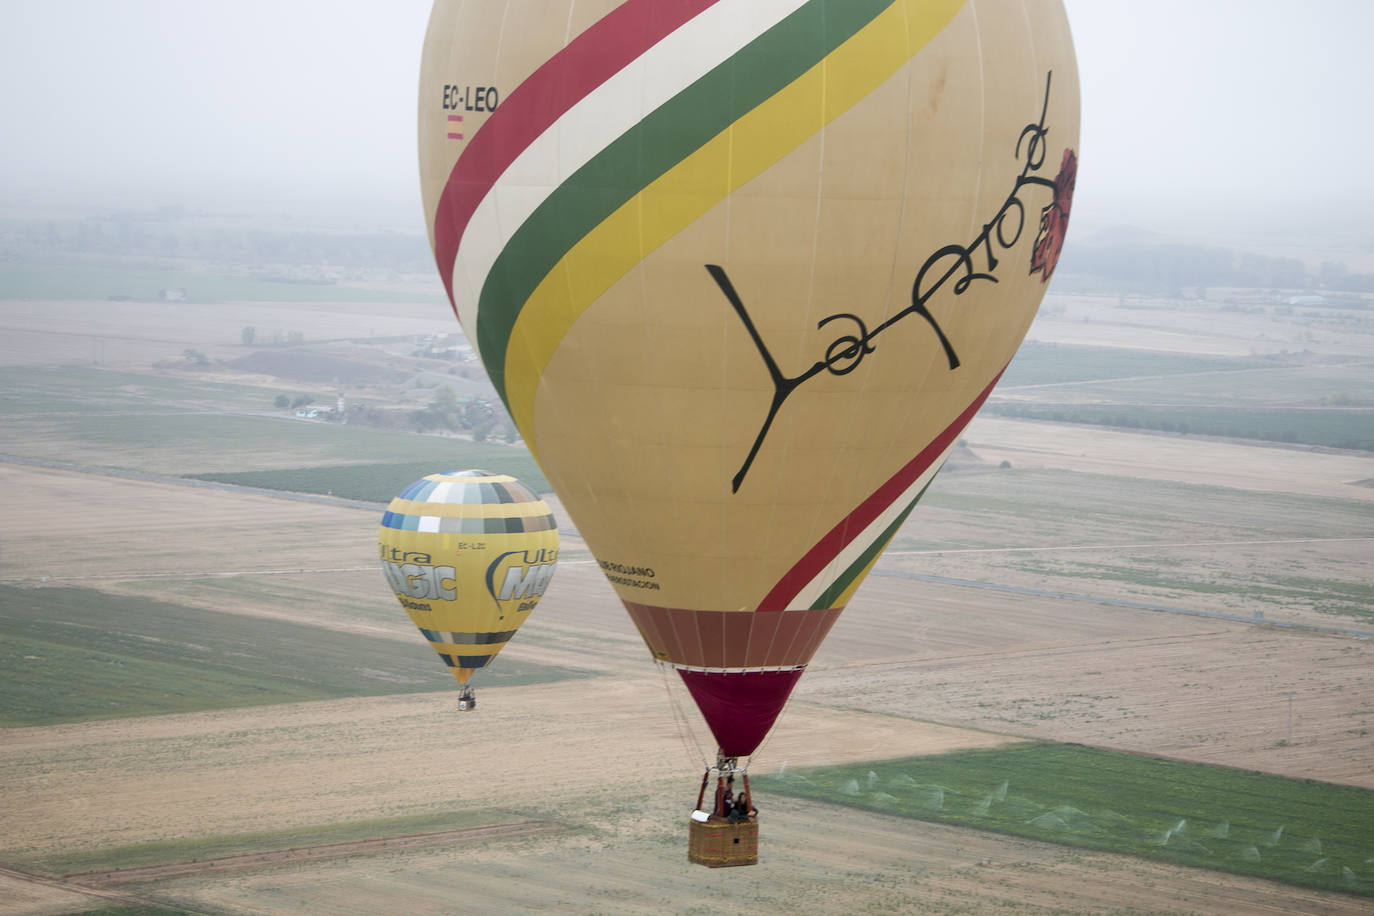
x,y
468,554
742,270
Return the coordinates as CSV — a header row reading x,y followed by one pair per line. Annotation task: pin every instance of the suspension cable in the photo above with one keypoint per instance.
x,y
681,718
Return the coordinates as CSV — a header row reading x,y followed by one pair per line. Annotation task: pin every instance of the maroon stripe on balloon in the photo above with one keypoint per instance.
x,y
546,95
736,629
654,637
853,524
740,707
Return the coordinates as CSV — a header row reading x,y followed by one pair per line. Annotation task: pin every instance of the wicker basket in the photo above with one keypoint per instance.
x,y
718,843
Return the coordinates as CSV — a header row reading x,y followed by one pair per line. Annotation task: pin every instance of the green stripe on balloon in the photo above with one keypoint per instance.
x,y
652,147
833,592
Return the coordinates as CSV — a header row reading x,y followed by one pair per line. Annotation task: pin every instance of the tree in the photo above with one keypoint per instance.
x,y
195,356
282,401
442,413
479,417
248,334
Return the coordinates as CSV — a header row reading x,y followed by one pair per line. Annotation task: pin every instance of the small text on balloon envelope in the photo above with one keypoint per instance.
x,y
470,98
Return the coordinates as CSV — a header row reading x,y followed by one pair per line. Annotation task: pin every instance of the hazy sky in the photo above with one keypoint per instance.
x,y
1238,107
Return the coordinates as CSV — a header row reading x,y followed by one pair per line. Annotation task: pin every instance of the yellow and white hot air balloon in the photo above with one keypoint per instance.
x,y
742,271
468,555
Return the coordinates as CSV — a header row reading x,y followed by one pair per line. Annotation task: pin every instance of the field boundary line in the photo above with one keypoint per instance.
x,y
194,482
317,852
182,574
61,883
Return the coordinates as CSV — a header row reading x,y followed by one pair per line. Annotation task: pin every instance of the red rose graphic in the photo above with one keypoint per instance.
x,y
1054,219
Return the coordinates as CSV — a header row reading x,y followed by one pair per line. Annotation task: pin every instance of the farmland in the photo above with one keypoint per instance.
x,y
380,482
1290,557
1299,832
1334,427
222,670
75,654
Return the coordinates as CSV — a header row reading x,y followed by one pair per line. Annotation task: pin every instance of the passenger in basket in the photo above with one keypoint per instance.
x,y
727,800
742,810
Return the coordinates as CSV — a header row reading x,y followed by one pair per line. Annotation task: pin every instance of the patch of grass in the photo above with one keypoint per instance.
x,y
1050,363
380,482
1070,507
1333,427
77,389
1349,385
75,654
193,443
170,852
1325,595
1300,832
1185,505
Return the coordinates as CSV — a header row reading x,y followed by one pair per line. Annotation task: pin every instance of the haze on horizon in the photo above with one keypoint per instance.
x,y
1215,119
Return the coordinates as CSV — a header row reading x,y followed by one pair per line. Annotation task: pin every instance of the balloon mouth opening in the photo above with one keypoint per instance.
x,y
740,707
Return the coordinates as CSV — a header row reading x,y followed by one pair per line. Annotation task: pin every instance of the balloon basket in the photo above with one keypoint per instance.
x,y
467,700
720,844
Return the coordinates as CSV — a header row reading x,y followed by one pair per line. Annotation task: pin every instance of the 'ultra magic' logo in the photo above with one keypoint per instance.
x,y
521,576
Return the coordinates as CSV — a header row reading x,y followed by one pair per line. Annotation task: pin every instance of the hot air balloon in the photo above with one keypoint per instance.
x,y
742,271
468,554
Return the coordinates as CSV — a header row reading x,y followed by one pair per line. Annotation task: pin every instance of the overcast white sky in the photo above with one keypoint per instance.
x,y
1241,107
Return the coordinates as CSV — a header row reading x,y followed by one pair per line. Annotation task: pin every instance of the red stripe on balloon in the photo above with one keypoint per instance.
x,y
839,537
565,79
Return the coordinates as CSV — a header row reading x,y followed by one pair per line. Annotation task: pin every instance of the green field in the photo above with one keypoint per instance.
x,y
1348,384
75,654
1272,399
1333,427
380,482
1047,363
91,282
1027,507
1206,548
1299,832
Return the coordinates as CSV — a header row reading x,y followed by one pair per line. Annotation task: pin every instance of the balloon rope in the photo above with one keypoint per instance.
x,y
681,718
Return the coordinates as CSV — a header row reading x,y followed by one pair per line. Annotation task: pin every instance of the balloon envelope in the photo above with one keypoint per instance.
x,y
742,271
468,555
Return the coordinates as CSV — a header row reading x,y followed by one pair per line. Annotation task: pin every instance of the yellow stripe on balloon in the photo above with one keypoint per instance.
x,y
727,161
469,510
844,597
486,648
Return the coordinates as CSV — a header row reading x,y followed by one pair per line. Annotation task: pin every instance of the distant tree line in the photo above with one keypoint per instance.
x,y
446,412
1164,268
